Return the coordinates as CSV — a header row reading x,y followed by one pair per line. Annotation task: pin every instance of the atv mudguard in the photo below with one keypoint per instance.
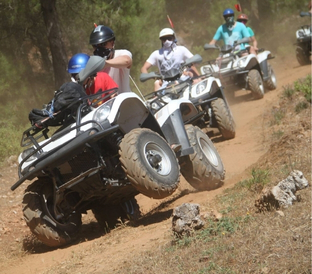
x,y
172,118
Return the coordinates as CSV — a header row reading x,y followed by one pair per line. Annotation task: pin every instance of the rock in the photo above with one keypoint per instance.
x,y
186,219
283,194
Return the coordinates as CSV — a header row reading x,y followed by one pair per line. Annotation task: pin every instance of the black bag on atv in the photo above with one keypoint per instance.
x,y
62,107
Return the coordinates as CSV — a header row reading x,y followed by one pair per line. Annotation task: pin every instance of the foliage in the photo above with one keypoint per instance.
x,y
277,116
8,134
304,86
136,24
288,91
259,179
301,86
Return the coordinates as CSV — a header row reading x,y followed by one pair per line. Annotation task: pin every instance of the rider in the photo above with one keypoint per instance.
x,y
243,18
101,81
231,31
118,62
169,56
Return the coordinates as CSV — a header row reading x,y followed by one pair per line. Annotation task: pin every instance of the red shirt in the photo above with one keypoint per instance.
x,y
103,82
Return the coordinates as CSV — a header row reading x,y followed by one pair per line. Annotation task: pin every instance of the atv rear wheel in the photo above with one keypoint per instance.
x,y
109,216
204,168
271,84
39,215
224,118
149,162
255,84
303,56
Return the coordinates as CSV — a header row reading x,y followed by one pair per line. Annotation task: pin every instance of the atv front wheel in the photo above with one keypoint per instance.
x,y
39,215
271,84
149,162
204,168
303,56
255,84
224,118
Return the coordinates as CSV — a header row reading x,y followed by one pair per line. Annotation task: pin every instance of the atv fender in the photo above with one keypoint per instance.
x,y
129,112
213,85
175,133
187,109
252,62
265,55
171,119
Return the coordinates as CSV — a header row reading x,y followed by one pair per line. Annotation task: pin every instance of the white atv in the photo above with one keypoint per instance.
x,y
204,91
303,35
237,71
102,156
199,160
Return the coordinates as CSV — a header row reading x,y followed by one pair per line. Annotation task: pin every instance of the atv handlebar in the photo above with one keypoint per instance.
x,y
151,75
188,63
227,48
303,14
193,60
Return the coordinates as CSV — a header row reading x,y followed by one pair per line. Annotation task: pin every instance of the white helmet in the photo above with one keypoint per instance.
x,y
166,32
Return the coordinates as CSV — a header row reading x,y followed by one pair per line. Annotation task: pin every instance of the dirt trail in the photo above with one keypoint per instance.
x,y
90,255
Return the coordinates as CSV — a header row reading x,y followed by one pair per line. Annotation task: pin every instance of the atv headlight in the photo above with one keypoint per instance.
x,y
241,62
205,70
200,88
28,152
155,106
103,111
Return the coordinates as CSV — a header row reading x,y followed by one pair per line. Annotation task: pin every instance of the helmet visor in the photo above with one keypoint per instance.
x,y
229,19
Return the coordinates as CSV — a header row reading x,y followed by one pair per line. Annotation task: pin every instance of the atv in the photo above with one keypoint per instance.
x,y
99,159
239,71
204,91
102,154
200,162
303,35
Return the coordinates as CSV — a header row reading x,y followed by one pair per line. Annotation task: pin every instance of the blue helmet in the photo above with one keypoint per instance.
x,y
77,62
228,12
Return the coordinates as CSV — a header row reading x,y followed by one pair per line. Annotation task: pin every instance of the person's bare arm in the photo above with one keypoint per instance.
x,y
145,67
254,42
123,61
193,68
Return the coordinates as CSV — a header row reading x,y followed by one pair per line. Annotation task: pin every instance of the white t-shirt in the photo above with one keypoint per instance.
x,y
168,58
120,75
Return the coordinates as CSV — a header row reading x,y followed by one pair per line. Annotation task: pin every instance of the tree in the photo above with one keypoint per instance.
x,y
57,46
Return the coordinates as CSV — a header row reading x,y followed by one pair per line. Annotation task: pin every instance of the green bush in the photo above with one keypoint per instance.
x,y
10,136
304,86
259,179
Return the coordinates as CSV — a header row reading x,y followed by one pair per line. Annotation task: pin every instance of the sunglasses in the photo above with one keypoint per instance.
x,y
169,38
240,20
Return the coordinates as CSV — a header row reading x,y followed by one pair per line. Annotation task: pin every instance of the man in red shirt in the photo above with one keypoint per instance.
x,y
93,84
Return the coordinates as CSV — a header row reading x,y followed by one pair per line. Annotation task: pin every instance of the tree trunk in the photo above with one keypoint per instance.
x,y
57,47
265,18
